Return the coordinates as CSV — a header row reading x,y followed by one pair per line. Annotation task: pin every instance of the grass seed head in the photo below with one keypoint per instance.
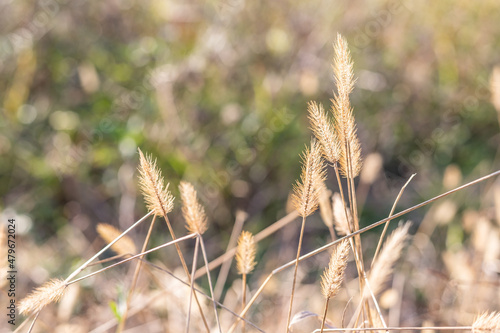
x,y
306,192
192,210
323,130
50,292
245,253
390,253
158,197
345,126
334,274
487,322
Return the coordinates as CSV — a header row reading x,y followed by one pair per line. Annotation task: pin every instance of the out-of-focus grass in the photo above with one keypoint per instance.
x,y
218,90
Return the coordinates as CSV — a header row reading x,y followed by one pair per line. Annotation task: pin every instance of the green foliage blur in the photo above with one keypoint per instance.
x,y
218,90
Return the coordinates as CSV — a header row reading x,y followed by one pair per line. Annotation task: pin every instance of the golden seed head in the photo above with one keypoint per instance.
x,y
125,246
334,274
345,127
245,253
323,130
390,253
50,292
158,198
192,210
343,67
306,192
487,322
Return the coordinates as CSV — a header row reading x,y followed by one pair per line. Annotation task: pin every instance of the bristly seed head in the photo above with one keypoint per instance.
x,y
487,322
306,192
245,253
192,210
323,129
50,292
334,275
158,198
345,127
390,253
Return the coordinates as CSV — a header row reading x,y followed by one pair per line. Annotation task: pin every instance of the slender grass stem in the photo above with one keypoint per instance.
x,y
371,226
243,296
222,306
414,328
178,240
184,266
210,282
195,256
34,321
349,222
258,237
82,267
379,245
324,315
123,320
226,266
295,273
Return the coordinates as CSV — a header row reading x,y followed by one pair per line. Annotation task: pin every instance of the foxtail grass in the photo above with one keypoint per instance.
x,y
161,202
245,262
334,275
306,199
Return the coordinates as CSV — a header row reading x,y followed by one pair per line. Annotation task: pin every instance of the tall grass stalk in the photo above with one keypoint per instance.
x,y
123,319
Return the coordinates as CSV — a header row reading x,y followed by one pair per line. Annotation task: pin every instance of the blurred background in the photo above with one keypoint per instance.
x,y
217,91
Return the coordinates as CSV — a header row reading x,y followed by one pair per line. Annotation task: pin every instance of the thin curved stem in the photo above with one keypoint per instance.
x,y
123,319
371,226
82,267
178,240
295,273
379,245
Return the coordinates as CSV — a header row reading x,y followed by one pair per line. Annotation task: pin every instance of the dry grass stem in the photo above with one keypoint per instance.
x,y
487,322
161,202
157,196
125,246
386,329
390,253
49,292
382,235
123,321
192,210
245,261
245,253
334,275
205,260
323,130
177,240
306,197
290,217
306,192
240,218
360,231
195,257
87,263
